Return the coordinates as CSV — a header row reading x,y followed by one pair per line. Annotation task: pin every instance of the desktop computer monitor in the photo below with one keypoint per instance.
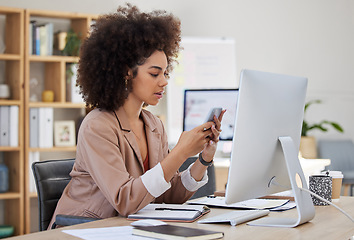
x,y
264,157
198,103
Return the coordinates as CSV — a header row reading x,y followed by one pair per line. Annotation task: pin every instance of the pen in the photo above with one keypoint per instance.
x,y
175,209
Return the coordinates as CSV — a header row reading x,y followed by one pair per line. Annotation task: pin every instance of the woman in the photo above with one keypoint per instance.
x,y
123,162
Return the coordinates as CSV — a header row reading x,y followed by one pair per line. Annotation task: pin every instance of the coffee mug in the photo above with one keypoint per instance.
x,y
337,178
4,91
322,186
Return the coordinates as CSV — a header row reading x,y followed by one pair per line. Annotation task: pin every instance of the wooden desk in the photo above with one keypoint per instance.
x,y
328,223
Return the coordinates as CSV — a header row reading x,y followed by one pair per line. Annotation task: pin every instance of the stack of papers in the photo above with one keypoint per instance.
x,y
107,233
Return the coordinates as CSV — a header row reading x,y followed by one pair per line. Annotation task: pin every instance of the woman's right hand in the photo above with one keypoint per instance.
x,y
189,144
192,142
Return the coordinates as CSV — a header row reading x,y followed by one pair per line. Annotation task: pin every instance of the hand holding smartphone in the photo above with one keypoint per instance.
x,y
213,112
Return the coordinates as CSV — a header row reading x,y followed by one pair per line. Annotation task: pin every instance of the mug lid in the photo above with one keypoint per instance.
x,y
320,175
336,174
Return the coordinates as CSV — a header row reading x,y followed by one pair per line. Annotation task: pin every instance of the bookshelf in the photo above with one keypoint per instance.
x,y
48,72
11,73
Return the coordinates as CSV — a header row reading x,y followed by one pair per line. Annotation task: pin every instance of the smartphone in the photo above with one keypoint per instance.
x,y
213,112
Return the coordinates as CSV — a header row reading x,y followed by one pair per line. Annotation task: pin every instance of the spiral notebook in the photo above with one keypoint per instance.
x,y
170,212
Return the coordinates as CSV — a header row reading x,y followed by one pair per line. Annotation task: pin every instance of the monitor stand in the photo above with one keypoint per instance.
x,y
304,205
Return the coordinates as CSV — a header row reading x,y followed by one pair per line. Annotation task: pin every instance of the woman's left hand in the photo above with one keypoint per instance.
x,y
210,148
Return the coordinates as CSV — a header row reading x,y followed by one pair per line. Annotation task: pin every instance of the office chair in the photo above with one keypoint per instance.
x,y
207,189
341,153
51,178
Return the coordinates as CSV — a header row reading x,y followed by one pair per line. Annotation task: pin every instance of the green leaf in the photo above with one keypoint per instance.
x,y
73,44
312,102
337,127
320,126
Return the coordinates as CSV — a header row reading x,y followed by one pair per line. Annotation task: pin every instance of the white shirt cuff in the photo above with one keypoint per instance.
x,y
154,181
190,183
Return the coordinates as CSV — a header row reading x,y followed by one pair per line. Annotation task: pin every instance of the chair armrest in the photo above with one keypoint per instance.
x,y
68,220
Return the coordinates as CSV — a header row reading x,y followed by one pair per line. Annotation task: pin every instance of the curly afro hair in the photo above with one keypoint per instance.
x,y
119,42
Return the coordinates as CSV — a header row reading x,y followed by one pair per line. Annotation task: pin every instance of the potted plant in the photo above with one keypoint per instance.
x,y
73,44
308,147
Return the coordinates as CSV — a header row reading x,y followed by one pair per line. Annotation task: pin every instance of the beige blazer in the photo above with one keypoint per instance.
x,y
106,174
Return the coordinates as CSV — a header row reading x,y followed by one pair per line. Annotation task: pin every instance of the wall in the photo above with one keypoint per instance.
x,y
306,38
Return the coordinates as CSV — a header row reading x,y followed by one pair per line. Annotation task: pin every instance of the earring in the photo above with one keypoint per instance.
x,y
126,83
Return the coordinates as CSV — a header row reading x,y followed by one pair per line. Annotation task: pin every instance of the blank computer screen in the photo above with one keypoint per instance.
x,y
198,102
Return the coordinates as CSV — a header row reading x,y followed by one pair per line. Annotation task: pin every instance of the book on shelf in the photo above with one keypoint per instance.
x,y
43,40
50,38
30,37
37,41
168,231
171,212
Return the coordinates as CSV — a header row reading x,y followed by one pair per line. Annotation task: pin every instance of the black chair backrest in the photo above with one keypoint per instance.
x,y
51,178
207,189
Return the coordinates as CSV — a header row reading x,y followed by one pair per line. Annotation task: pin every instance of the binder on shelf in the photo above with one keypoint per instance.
x,y
45,127
34,127
13,126
4,125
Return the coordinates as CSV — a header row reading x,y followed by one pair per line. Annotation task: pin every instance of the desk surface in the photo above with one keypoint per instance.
x,y
329,223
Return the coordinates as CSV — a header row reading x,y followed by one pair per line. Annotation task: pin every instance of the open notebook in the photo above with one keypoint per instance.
x,y
171,212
